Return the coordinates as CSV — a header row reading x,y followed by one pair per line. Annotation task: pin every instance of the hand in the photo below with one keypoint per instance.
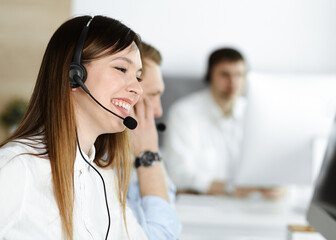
x,y
145,136
152,180
268,193
242,192
273,193
216,188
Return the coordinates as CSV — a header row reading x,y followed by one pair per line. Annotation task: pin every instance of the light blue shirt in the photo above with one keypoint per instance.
x,y
156,216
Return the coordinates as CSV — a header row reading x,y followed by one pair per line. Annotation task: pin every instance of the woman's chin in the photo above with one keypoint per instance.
x,y
119,127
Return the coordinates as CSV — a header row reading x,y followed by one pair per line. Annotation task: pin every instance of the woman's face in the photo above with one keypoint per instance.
x,y
114,82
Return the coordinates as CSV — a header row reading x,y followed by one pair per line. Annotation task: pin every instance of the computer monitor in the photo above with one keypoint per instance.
x,y
285,115
322,211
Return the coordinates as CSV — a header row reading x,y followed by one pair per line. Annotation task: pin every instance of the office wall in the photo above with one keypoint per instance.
x,y
276,36
26,27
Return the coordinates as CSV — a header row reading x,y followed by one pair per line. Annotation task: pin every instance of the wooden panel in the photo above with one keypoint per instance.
x,y
26,27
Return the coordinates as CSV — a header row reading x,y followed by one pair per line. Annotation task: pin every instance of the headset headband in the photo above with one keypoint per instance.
x,y
79,48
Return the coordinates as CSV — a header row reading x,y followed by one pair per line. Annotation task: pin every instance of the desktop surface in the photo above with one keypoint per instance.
x,y
226,218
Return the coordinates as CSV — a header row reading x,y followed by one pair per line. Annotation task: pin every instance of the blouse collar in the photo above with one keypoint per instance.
x,y
80,163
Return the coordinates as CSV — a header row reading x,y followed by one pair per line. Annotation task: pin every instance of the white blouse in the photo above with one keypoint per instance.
x,y
28,209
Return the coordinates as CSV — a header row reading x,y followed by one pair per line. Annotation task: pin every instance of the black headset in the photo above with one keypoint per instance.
x,y
77,71
78,76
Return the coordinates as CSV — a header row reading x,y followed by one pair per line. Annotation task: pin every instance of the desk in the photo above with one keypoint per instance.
x,y
225,218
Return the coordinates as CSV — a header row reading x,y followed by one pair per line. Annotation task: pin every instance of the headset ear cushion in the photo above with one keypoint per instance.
x,y
79,70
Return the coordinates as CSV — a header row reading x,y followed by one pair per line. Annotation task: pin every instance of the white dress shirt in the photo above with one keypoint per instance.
x,y
201,145
28,209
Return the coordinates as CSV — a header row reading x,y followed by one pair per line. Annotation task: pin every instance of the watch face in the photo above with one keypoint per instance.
x,y
148,158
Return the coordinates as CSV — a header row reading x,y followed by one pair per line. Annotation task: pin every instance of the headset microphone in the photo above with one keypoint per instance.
x,y
129,122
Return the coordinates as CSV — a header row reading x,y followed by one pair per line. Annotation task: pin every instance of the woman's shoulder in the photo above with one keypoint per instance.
x,y
13,184
17,151
10,151
12,159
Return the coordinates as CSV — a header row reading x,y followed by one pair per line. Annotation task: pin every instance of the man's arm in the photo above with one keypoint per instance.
x,y
149,197
152,180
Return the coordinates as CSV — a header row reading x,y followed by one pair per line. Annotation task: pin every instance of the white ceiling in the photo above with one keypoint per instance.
x,y
275,36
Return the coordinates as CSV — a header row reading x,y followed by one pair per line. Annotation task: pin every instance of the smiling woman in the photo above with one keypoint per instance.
x,y
57,195
114,81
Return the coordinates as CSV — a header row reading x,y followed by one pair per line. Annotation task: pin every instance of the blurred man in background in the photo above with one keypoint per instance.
x,y
205,130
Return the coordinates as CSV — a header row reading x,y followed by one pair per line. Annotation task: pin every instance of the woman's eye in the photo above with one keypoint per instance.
x,y
139,79
121,69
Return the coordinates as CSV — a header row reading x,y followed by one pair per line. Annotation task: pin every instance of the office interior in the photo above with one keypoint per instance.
x,y
287,41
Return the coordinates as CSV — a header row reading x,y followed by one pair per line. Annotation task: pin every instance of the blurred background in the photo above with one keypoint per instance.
x,y
278,38
275,36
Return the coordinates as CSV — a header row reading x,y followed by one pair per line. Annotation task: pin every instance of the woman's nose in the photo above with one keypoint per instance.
x,y
135,87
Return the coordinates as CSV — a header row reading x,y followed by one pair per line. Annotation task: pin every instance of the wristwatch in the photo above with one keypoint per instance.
x,y
147,159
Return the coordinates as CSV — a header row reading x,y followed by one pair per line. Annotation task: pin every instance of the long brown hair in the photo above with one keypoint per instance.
x,y
50,113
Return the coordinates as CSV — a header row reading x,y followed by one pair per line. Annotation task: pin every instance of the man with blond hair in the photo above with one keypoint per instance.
x,y
150,185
